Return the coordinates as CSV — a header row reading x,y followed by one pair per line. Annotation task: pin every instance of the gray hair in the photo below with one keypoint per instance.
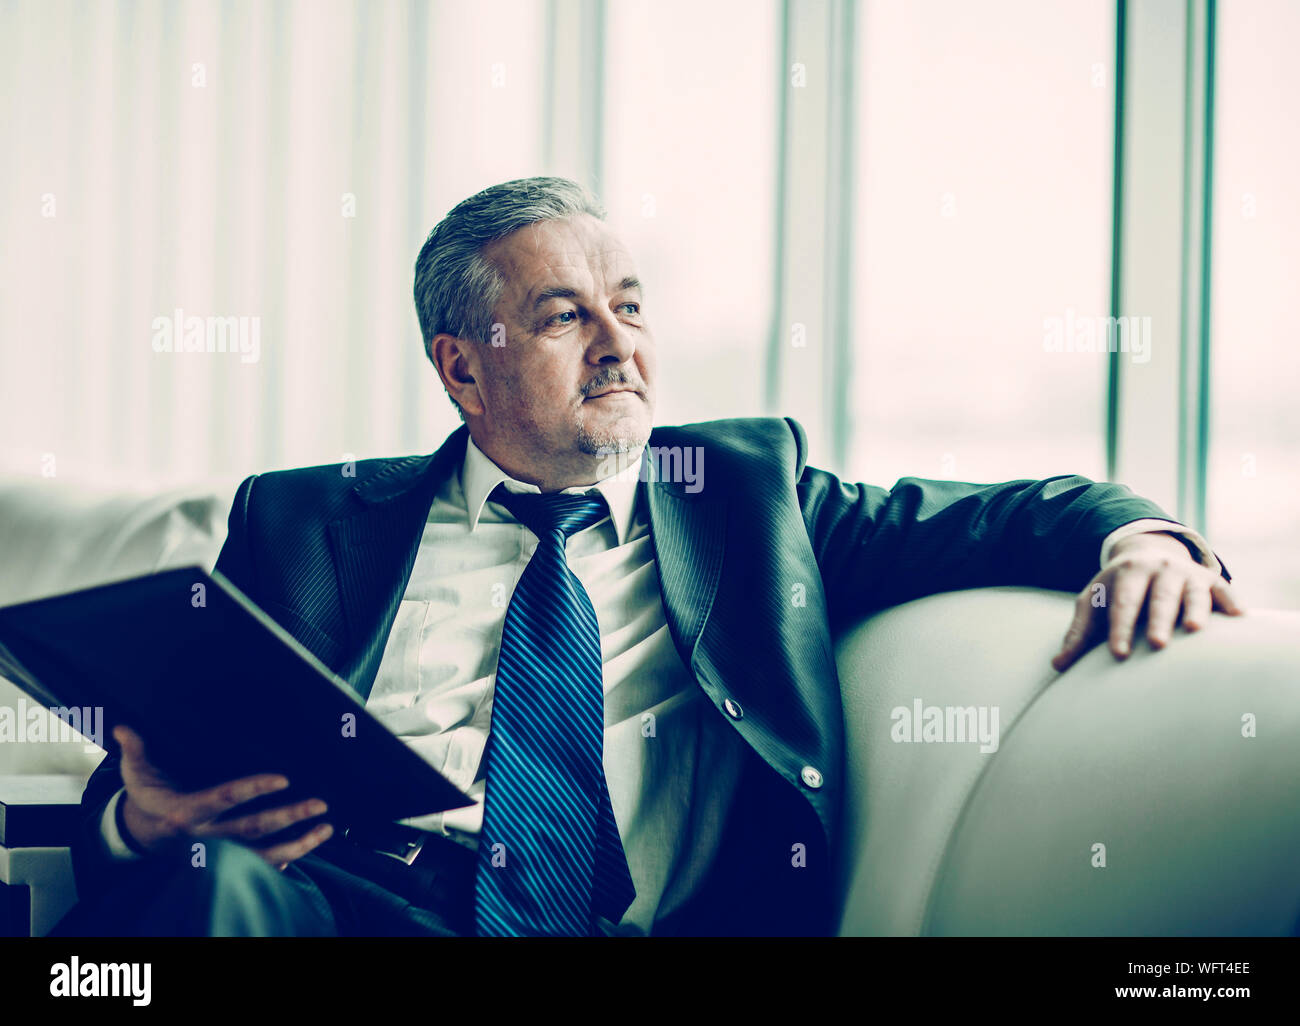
x,y
456,289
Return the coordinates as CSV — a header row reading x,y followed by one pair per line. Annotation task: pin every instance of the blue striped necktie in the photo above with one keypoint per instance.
x,y
550,859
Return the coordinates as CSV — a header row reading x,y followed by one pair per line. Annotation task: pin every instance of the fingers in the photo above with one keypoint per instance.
x,y
1224,599
1205,593
1128,595
165,813
1163,605
134,759
132,744
1196,606
1163,589
204,806
199,806
171,814
1079,635
281,855
260,824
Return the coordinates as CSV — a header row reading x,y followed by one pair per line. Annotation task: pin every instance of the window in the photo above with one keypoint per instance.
x,y
1254,474
689,156
983,213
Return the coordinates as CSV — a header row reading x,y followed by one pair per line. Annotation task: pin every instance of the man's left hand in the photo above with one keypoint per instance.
x,y
1151,573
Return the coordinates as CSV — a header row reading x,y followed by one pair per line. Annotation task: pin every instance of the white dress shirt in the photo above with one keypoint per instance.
x,y
672,765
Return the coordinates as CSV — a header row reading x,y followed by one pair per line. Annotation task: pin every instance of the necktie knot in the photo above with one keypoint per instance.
x,y
554,511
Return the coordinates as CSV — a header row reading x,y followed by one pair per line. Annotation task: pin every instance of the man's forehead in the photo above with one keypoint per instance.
x,y
553,253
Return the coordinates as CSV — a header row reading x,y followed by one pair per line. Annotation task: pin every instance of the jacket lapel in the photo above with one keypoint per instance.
x,y
374,551
689,533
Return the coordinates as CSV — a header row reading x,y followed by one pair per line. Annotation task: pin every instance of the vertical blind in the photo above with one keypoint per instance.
x,y
932,191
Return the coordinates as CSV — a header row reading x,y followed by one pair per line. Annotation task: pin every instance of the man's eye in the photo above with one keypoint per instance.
x,y
634,307
564,313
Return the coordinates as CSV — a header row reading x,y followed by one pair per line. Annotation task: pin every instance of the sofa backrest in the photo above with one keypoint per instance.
x,y
58,536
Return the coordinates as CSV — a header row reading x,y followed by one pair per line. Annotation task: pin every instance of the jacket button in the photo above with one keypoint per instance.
x,y
810,777
733,708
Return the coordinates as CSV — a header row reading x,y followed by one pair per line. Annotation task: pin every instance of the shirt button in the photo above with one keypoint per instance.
x,y
810,777
733,708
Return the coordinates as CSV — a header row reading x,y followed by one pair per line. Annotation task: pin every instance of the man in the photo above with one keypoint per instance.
x,y
617,640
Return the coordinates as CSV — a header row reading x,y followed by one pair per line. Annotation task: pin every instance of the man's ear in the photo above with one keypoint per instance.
x,y
459,362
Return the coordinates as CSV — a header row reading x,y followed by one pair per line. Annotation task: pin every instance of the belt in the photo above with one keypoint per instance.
x,y
392,839
427,869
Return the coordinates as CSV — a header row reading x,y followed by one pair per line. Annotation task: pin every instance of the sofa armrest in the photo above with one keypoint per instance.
x,y
1153,758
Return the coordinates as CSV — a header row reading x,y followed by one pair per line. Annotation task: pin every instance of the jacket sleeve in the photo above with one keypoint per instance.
x,y
877,548
92,862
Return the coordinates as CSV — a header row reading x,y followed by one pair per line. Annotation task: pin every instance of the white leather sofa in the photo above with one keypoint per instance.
x,y
1122,799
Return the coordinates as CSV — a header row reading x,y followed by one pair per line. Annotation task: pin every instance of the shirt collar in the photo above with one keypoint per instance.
x,y
479,476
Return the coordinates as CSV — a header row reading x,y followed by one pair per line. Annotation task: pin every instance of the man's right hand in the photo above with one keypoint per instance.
x,y
158,816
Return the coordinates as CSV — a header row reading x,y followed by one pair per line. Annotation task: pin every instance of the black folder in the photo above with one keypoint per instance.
x,y
218,690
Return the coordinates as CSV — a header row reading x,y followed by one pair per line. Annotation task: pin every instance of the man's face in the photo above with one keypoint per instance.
x,y
570,379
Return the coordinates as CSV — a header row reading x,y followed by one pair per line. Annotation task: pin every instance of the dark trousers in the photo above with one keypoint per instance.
x,y
234,893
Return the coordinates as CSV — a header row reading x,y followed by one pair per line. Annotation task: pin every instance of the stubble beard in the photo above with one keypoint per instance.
x,y
613,442
609,443
626,436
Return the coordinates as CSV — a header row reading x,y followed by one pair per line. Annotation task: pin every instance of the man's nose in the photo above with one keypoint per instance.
x,y
611,340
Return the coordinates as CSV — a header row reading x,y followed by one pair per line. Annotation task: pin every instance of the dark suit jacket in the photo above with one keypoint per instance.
x,y
759,569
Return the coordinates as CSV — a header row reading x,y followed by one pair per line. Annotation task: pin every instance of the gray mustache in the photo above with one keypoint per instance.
x,y
608,379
